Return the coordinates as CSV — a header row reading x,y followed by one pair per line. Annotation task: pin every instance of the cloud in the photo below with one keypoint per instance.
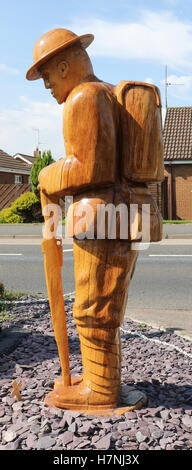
x,y
149,80
157,36
172,2
9,70
17,127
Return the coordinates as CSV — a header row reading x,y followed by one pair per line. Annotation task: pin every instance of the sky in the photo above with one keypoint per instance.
x,y
134,40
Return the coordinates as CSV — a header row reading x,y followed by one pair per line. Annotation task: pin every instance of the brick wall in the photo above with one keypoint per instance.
x,y
179,185
156,191
9,178
183,190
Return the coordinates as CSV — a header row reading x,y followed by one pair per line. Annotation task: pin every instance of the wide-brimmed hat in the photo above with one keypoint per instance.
x,y
52,43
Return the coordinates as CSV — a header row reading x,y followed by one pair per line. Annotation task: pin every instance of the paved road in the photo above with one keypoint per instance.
x,y
22,268
35,230
162,279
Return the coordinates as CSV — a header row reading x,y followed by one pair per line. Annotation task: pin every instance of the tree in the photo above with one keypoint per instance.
x,y
40,162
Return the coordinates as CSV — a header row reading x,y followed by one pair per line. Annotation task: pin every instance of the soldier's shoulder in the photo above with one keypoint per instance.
x,y
86,91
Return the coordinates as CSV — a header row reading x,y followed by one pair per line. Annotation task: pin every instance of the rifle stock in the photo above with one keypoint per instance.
x,y
53,254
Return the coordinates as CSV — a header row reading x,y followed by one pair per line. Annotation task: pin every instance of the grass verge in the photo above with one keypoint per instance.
x,y
177,221
7,295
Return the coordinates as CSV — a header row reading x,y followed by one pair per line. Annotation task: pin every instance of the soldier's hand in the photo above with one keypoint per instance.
x,y
45,178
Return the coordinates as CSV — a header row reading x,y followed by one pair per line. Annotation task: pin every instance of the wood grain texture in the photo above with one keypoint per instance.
x,y
50,44
97,171
141,137
113,142
85,216
100,300
89,129
53,260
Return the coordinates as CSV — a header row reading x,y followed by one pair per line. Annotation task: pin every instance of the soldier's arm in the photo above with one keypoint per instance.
x,y
90,142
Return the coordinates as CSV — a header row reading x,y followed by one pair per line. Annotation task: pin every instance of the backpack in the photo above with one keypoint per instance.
x,y
140,132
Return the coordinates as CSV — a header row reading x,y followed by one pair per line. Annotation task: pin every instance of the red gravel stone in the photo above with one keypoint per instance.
x,y
104,443
165,423
66,437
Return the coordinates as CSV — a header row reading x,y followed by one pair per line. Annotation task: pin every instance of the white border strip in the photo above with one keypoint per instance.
x,y
161,343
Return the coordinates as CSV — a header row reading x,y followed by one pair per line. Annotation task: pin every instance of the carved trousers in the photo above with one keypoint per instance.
x,y
103,270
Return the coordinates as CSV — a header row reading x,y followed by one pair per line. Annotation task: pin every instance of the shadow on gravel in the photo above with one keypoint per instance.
x,y
167,395
45,345
27,351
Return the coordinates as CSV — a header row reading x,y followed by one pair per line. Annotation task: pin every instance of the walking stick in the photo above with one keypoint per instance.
x,y
53,260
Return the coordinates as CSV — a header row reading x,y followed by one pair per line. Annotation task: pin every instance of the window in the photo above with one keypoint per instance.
x,y
18,179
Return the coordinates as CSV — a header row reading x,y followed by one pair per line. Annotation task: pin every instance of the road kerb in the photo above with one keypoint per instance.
x,y
178,321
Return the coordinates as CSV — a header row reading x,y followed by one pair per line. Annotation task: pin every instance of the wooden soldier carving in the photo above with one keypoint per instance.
x,y
113,142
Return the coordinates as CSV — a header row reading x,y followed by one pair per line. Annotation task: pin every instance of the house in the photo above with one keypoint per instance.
x,y
13,171
177,186
27,159
14,179
157,193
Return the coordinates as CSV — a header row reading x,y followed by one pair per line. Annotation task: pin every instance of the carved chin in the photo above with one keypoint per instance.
x,y
60,99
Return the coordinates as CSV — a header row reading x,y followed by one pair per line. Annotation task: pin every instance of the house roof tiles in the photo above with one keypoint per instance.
x,y
6,161
30,158
177,134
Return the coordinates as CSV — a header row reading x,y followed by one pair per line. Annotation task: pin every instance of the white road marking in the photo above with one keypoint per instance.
x,y
11,254
170,255
71,249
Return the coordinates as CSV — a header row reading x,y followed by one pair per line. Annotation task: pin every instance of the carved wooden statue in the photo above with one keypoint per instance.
x,y
113,141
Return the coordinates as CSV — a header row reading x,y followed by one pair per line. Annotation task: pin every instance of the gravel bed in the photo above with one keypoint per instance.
x,y
149,362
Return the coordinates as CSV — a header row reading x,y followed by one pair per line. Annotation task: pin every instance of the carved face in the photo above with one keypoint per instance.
x,y
54,75
65,71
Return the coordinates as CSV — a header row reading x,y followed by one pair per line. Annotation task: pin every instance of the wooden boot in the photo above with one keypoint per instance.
x,y
99,389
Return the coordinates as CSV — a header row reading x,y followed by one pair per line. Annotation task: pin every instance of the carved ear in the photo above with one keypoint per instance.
x,y
63,68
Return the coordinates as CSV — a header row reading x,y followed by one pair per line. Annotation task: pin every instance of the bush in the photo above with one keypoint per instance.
x,y
26,208
40,162
7,216
2,290
25,205
24,202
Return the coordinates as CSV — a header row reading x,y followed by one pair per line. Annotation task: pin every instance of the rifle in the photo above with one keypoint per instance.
x,y
53,260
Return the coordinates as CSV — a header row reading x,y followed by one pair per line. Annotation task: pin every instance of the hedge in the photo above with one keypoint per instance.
x,y
8,217
26,208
